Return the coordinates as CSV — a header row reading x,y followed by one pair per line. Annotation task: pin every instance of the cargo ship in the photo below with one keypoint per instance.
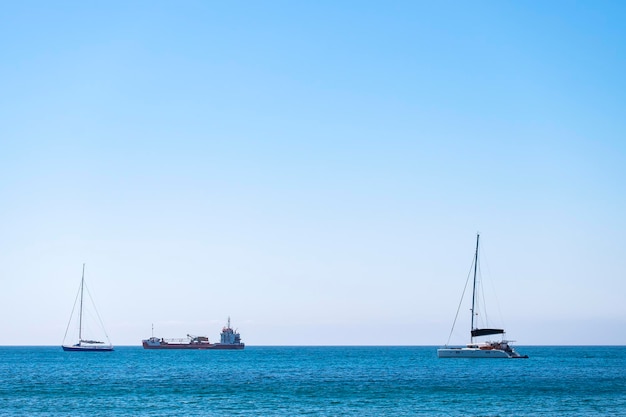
x,y
229,339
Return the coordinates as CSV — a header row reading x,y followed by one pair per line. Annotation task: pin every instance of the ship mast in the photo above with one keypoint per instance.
x,y
80,314
474,288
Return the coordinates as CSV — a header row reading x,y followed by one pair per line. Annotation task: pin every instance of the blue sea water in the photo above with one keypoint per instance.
x,y
320,381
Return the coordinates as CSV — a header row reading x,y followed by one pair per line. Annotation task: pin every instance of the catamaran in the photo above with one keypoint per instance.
x,y
488,349
85,344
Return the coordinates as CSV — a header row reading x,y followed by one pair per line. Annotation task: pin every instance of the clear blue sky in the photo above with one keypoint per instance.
x,y
315,170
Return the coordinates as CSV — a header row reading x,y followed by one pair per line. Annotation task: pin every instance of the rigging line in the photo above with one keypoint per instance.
x,y
71,315
98,314
469,273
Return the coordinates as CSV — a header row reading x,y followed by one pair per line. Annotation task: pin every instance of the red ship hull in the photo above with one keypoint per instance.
x,y
194,346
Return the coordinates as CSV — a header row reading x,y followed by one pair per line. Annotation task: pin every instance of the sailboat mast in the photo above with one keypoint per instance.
x,y
80,314
474,288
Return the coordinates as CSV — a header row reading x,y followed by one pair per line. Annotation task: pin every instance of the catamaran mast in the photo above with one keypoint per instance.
x,y
80,316
474,288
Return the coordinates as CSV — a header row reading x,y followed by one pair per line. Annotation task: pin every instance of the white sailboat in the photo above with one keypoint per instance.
x,y
487,349
85,344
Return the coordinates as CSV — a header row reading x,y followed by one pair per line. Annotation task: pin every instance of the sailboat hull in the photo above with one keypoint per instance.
x,y
87,348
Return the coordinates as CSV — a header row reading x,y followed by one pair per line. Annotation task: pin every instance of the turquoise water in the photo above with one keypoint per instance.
x,y
321,381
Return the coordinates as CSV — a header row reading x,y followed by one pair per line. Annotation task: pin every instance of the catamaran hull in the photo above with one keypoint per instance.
x,y
87,348
477,353
194,346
